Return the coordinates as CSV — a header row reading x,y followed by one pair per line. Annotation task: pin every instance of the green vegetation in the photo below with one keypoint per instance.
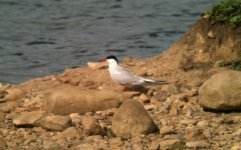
x,y
234,65
228,11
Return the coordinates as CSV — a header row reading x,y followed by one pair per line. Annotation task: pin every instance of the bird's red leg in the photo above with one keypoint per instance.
x,y
123,89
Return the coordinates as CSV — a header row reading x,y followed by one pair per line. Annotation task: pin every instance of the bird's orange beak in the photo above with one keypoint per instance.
x,y
102,61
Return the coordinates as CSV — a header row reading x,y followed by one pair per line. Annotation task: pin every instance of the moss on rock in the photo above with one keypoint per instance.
x,y
228,11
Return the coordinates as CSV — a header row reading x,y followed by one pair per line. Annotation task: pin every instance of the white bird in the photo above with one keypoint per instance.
x,y
124,77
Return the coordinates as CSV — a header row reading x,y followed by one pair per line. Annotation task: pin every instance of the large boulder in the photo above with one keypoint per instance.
x,y
132,118
222,91
67,100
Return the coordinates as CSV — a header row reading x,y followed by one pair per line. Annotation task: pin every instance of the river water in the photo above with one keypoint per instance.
x,y
41,37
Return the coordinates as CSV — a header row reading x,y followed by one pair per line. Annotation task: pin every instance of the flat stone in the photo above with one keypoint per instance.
x,y
166,130
55,123
197,144
171,144
28,118
203,124
69,99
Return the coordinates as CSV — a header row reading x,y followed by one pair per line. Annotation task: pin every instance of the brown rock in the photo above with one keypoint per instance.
x,y
67,100
171,144
197,144
171,88
70,132
14,94
144,98
75,118
28,118
222,91
56,123
91,126
3,144
1,117
4,108
132,118
166,130
236,146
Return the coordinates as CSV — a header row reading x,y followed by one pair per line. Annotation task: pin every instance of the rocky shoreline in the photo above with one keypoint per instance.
x,y
82,109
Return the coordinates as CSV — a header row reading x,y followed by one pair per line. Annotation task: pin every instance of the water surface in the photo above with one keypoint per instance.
x,y
43,37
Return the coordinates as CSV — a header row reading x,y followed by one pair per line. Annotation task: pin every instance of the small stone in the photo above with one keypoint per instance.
x,y
203,124
3,144
4,108
197,144
2,100
2,117
161,96
154,146
56,123
28,118
70,132
237,133
150,107
3,93
14,94
144,98
171,144
166,130
75,118
236,146
171,89
91,126
188,122
210,34
173,111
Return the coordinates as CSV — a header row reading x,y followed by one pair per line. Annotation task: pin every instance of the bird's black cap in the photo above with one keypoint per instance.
x,y
112,57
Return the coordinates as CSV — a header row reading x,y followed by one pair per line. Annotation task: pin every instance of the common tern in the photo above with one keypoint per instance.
x,y
125,77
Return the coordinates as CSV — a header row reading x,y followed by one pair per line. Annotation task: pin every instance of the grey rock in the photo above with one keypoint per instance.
x,y
55,123
161,96
222,91
131,117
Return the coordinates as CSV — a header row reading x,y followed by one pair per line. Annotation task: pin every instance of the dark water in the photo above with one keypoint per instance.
x,y
40,37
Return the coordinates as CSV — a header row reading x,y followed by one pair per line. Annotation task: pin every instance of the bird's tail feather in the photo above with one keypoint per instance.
x,y
153,82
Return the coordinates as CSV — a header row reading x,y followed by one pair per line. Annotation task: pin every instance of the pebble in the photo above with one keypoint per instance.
x,y
161,96
197,144
171,144
56,123
203,124
144,98
166,130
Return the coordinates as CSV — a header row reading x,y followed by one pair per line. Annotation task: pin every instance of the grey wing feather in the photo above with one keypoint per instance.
x,y
127,77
